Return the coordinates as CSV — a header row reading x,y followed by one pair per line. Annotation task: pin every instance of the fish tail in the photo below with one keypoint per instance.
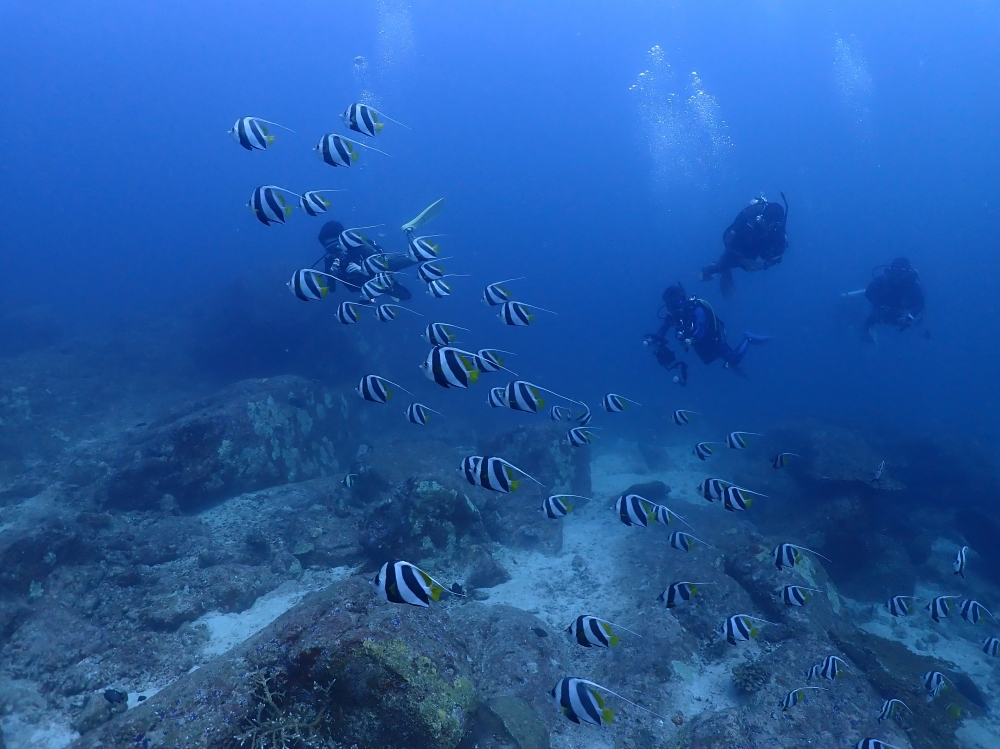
x,y
436,591
514,484
614,640
608,714
474,375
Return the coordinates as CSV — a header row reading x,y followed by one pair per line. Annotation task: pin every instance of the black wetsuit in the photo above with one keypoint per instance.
x,y
754,241
897,298
697,325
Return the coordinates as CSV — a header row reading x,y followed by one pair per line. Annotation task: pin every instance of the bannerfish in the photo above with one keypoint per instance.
x,y
450,367
712,489
787,555
614,403
678,593
352,239
558,413
470,467
313,203
741,628
373,388
584,417
939,607
889,709
796,696
878,473
439,333
498,398
420,250
781,459
593,632
828,669
578,437
959,563
739,441
497,475
666,516
417,413
308,285
269,205
428,271
252,134
338,150
580,702
898,605
874,744
488,361
796,595
934,682
495,294
991,646
635,510
517,314
349,480
402,582
439,289
377,262
555,507
348,313
971,611
735,498
363,119
682,417
704,450
684,541
387,312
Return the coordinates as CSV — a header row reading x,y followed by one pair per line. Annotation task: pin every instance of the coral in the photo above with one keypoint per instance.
x,y
750,676
281,722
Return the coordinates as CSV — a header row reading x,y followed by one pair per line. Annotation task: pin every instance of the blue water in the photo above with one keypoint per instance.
x,y
124,196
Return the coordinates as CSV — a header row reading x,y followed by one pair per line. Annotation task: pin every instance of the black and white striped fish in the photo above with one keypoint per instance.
x,y
353,239
377,262
579,436
517,314
666,516
269,205
704,450
593,632
497,475
781,459
796,595
498,398
787,555
828,669
402,582
470,467
635,510
525,396
450,367
991,646
308,285
387,312
495,294
712,489
488,361
420,250
556,506
252,134
350,479
313,203
430,271
939,607
580,702
682,417
735,498
558,413
439,333
971,611
348,313
739,441
934,682
889,709
373,388
878,473
741,628
684,541
874,744
416,413
338,150
363,119
959,563
796,696
898,605
614,403
584,417
439,288
678,593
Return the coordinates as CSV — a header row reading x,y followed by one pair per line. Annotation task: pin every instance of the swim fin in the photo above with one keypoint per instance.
x,y
757,339
426,215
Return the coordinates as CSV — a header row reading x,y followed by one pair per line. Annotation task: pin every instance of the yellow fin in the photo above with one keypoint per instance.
x,y
474,375
323,290
378,127
388,395
754,631
541,403
288,211
354,155
569,508
436,591
270,139
954,711
747,501
598,697
608,714
531,318
514,485
614,640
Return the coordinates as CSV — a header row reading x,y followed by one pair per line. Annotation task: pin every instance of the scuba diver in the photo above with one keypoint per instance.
x,y
897,298
665,357
338,260
754,241
697,326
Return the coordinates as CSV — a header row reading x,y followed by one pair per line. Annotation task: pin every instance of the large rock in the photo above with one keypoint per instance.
x,y
255,434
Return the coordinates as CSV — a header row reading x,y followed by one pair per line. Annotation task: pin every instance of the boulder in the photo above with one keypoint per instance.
x,y
255,434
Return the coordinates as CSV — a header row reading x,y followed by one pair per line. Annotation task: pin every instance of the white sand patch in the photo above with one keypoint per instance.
x,y
704,687
46,734
226,631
